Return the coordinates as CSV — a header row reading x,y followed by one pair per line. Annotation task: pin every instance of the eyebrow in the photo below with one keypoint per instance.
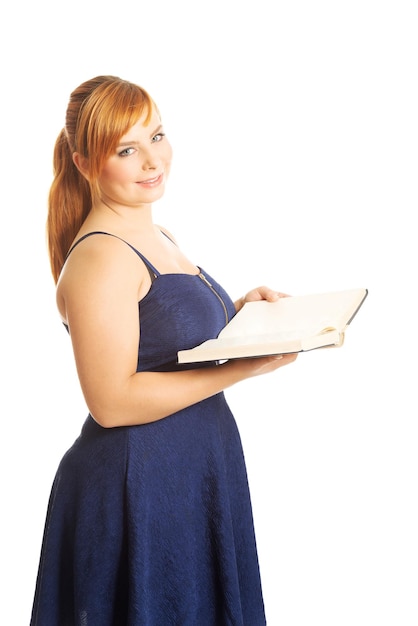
x,y
136,143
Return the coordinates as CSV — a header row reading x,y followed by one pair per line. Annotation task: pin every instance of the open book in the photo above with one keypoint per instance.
x,y
291,324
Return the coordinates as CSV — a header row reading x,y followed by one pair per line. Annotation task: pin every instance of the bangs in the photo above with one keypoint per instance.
x,y
111,111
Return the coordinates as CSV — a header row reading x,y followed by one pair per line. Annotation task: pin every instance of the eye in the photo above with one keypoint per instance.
x,y
126,152
158,137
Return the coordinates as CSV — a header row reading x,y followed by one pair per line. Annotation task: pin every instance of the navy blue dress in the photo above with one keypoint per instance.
x,y
151,525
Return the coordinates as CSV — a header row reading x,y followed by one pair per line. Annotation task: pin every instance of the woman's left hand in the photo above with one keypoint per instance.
x,y
259,293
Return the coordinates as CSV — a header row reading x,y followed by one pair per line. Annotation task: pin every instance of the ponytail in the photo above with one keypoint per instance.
x,y
68,204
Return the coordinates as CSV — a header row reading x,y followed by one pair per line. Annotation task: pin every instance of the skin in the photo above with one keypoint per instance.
x,y
102,282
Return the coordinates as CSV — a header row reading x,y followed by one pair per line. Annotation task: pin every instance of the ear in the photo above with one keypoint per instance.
x,y
82,164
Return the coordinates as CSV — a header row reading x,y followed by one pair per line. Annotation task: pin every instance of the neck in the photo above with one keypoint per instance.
x,y
120,216
134,225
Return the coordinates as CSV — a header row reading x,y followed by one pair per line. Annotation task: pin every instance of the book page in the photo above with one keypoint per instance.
x,y
300,316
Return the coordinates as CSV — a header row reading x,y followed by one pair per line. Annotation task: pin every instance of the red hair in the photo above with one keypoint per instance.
x,y
99,113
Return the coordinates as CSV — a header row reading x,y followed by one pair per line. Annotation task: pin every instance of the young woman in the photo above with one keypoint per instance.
x,y
149,521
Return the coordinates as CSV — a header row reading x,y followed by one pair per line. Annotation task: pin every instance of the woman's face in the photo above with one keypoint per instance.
x,y
137,171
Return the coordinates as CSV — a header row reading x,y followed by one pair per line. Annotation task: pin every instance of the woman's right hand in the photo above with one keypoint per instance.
x,y
250,367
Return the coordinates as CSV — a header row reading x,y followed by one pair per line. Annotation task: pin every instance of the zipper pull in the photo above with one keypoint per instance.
x,y
205,280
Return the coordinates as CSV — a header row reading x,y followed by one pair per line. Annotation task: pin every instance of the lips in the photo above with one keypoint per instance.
x,y
152,182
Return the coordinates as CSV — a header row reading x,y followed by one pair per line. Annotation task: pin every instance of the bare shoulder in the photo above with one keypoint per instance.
x,y
167,233
100,264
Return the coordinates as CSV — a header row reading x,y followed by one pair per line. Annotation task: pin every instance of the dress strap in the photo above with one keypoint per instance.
x,y
153,272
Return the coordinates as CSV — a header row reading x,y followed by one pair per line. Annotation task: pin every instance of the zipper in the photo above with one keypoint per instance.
x,y
212,288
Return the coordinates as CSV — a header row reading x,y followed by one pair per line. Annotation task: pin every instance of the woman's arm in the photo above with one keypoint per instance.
x,y
98,296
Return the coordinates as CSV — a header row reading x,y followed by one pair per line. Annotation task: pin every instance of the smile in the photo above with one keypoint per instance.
x,y
151,182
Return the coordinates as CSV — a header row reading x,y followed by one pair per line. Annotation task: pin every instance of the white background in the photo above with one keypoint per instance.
x,y
294,128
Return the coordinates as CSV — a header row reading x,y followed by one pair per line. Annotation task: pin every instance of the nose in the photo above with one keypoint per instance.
x,y
150,160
